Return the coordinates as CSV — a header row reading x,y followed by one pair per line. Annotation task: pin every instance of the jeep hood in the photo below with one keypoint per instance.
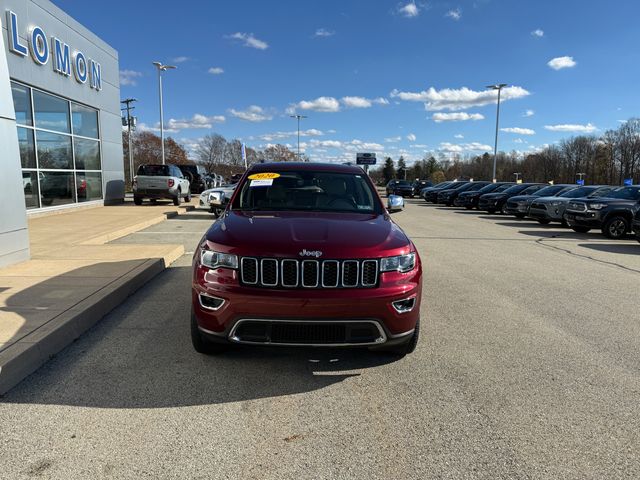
x,y
336,235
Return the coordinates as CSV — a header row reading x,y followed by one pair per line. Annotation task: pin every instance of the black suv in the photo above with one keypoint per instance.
x,y
449,195
402,188
612,214
420,185
519,205
497,202
197,176
431,195
469,199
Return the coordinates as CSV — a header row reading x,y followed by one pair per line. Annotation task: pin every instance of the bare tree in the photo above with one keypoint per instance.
x,y
211,151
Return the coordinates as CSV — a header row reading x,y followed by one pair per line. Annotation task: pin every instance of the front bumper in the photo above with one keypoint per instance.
x,y
491,204
589,218
516,209
551,213
305,306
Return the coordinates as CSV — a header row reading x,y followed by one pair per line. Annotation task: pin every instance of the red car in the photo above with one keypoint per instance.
x,y
306,254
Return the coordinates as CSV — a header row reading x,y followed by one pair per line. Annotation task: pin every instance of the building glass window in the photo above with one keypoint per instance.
x,y
27,149
87,154
54,151
30,187
22,104
60,150
57,188
52,113
84,120
89,186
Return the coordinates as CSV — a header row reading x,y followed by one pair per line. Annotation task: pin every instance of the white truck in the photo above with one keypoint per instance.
x,y
160,182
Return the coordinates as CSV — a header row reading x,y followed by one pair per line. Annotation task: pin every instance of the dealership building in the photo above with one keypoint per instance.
x,y
60,124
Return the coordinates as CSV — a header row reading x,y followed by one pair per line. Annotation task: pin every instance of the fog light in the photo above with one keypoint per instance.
x,y
404,306
210,303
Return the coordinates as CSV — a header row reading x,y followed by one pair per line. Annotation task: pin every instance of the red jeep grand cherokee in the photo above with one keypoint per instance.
x,y
306,255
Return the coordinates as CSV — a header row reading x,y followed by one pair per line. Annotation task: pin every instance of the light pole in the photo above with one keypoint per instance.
x,y
162,68
498,87
298,117
128,107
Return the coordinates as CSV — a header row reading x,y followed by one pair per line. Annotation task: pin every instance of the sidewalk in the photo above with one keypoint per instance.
x,y
73,279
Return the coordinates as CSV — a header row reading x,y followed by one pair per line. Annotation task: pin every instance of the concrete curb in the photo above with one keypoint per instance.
x,y
25,357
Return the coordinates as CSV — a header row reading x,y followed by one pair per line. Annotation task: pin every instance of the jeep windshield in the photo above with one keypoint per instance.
x,y
307,190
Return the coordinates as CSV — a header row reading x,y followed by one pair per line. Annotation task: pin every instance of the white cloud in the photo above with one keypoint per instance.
x,y
519,140
459,99
320,104
528,113
180,59
215,71
411,137
464,147
252,114
566,127
128,77
456,117
454,14
356,102
270,137
409,10
418,145
322,32
559,63
248,40
518,130
538,33
380,101
198,121
393,139
458,135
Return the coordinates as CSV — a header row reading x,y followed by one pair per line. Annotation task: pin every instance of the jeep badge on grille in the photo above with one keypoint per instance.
x,y
310,253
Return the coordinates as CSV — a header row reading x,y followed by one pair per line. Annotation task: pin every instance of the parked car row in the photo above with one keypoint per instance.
x,y
404,188
613,210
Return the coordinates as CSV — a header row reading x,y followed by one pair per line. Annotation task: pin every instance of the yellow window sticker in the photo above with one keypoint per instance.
x,y
264,176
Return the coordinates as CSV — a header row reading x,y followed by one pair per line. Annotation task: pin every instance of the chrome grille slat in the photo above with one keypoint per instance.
x,y
293,273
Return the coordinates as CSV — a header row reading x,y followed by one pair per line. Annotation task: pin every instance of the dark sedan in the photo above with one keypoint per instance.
x,y
496,202
519,205
449,195
469,199
420,185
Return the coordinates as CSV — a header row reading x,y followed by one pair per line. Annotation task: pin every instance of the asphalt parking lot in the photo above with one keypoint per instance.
x,y
527,368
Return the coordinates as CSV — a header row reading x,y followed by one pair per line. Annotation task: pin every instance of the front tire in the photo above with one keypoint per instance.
x,y
491,211
544,221
615,228
201,344
520,215
137,200
580,229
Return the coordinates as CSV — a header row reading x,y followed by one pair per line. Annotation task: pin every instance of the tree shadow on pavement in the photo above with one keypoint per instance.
x,y
140,356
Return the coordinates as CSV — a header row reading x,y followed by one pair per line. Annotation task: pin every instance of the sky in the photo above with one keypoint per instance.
x,y
395,78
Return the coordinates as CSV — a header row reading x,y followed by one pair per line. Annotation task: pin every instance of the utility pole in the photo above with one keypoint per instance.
x,y
298,117
498,87
130,127
162,68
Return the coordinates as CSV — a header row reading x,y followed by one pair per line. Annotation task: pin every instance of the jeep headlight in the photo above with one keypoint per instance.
x,y
213,260
597,206
401,263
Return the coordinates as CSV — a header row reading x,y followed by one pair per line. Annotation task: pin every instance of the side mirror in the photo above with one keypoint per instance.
x,y
395,203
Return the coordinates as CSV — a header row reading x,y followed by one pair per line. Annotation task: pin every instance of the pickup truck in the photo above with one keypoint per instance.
x,y
160,182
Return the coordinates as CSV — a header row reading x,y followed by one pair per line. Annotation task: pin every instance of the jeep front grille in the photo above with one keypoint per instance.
x,y
292,273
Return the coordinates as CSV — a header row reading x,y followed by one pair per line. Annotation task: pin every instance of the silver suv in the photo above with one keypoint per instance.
x,y
160,182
